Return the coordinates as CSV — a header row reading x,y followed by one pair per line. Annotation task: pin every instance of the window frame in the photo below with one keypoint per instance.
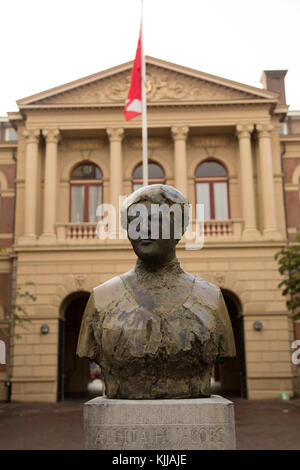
x,y
7,136
211,180
86,183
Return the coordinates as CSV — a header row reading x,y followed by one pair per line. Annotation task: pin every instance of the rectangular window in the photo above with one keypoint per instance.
x,y
221,201
94,201
202,190
77,204
283,128
10,134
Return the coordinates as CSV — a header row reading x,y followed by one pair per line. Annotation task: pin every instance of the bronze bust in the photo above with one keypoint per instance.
x,y
156,331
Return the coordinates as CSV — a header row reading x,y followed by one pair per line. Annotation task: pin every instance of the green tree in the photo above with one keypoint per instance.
x,y
18,315
289,267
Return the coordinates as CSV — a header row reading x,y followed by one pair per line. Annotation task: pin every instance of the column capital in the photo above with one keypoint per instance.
x,y
264,129
32,135
179,132
243,131
115,134
51,135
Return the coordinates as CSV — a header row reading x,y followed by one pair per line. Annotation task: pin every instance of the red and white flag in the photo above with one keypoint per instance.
x,y
133,105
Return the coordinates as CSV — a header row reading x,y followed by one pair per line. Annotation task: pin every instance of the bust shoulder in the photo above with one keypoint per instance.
x,y
109,292
206,292
103,298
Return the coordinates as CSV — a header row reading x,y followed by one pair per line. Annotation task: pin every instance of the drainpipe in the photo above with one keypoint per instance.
x,y
8,383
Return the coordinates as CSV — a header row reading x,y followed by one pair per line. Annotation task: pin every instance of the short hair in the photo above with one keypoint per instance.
x,y
157,194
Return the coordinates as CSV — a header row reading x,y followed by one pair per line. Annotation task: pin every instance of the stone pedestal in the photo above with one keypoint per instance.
x,y
189,424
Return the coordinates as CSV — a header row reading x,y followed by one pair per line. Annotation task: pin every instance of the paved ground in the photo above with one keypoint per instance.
x,y
268,424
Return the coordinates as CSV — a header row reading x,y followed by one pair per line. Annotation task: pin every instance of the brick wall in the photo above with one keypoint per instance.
x,y
293,208
289,166
9,172
6,214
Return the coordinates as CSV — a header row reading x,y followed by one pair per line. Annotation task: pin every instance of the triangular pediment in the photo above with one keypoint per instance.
x,y
166,84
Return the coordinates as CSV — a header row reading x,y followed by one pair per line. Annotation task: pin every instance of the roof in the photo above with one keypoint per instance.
x,y
167,83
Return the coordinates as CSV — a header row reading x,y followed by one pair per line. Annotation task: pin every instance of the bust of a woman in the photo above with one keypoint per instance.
x,y
156,331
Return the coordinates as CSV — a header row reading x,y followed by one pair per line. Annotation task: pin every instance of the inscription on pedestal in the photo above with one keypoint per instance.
x,y
158,437
142,436
160,424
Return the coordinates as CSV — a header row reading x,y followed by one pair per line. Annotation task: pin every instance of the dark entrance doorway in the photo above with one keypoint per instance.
x,y
230,377
73,372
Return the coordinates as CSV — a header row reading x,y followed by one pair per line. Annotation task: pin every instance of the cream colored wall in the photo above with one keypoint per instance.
x,y
205,117
40,191
257,184
278,176
247,269
248,272
252,275
20,182
164,117
6,152
278,186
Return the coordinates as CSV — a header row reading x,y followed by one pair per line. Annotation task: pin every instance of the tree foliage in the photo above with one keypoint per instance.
x,y
18,314
289,267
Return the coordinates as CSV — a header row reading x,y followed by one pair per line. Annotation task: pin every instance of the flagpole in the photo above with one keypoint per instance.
x,y
144,107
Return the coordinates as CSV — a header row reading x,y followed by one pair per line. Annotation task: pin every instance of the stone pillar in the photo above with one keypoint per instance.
x,y
115,135
267,186
179,134
250,231
31,186
50,186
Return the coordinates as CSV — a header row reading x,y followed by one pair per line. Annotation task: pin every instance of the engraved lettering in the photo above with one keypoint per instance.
x,y
101,437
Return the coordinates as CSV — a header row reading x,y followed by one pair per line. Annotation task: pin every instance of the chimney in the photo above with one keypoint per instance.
x,y
273,80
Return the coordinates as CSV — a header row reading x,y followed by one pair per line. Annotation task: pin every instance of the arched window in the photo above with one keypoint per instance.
x,y
212,190
86,192
156,175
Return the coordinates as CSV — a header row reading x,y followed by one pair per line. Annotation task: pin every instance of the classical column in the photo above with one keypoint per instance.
x,y
250,231
267,181
31,186
179,134
115,135
50,186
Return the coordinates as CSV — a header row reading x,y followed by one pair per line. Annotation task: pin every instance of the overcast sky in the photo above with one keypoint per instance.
x,y
48,43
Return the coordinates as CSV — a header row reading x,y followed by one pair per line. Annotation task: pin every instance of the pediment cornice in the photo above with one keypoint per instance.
x,y
167,84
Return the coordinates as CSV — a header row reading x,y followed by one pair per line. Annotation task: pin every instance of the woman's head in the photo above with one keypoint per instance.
x,y
155,217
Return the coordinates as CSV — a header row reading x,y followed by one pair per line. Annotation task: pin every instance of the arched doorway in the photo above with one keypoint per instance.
x,y
73,372
230,377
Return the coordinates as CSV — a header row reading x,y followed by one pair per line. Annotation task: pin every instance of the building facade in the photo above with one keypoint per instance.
x,y
217,141
8,149
290,147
